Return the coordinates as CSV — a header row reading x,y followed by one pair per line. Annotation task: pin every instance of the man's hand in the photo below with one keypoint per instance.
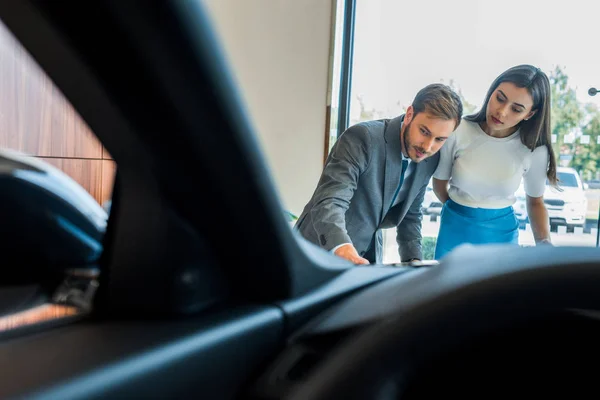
x,y
348,252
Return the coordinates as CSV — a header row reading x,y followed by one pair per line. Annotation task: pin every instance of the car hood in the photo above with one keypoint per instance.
x,y
568,194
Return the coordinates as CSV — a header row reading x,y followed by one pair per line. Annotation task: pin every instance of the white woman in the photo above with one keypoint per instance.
x,y
483,162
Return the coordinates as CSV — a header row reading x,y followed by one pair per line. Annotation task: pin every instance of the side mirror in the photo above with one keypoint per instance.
x,y
49,222
585,186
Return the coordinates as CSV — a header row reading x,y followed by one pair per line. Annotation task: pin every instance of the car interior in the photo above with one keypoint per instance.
x,y
157,304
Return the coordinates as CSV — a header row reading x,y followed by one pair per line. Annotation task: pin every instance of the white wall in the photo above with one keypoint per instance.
x,y
279,55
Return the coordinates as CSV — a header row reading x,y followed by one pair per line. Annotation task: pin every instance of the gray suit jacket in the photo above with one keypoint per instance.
x,y
361,175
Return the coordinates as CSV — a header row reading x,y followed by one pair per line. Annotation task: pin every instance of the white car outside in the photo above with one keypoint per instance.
x,y
567,207
431,205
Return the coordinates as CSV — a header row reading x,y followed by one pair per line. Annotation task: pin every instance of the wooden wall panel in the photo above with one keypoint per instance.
x,y
105,154
109,168
35,118
8,136
88,173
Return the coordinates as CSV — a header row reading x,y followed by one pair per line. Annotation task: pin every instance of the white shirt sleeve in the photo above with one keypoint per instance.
x,y
534,179
337,247
447,152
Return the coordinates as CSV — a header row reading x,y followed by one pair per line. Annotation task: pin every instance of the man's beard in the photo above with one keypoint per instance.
x,y
408,145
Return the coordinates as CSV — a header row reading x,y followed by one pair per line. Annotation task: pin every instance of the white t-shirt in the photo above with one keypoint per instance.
x,y
485,172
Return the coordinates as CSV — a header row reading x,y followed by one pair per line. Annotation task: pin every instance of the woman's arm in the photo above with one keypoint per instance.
x,y
440,188
443,172
538,218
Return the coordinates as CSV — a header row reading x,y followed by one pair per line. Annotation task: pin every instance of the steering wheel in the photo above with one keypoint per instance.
x,y
470,293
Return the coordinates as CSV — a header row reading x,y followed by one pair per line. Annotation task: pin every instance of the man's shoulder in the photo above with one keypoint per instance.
x,y
365,132
434,158
432,163
371,126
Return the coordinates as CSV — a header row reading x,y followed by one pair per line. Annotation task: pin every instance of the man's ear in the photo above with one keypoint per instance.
x,y
408,116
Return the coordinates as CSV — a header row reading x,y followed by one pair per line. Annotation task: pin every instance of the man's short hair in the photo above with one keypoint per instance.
x,y
439,100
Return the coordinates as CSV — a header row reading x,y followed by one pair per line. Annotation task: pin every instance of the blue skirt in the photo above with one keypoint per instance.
x,y
461,224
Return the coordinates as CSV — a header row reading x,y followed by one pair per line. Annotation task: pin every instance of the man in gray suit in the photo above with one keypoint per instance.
x,y
375,178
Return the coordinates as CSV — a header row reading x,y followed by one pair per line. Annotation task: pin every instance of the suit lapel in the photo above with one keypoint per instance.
x,y
393,161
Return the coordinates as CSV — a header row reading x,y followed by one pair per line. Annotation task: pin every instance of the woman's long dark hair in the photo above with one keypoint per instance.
x,y
536,131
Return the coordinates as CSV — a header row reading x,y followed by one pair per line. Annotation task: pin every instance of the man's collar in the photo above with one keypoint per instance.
x,y
392,134
393,137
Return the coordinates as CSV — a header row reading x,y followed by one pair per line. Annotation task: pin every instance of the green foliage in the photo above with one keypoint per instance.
x,y
566,112
428,247
568,117
586,155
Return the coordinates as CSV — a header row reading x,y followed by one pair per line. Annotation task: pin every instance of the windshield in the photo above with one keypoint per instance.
x,y
566,179
320,172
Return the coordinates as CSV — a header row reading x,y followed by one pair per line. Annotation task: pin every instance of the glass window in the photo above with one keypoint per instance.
x,y
402,46
569,179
